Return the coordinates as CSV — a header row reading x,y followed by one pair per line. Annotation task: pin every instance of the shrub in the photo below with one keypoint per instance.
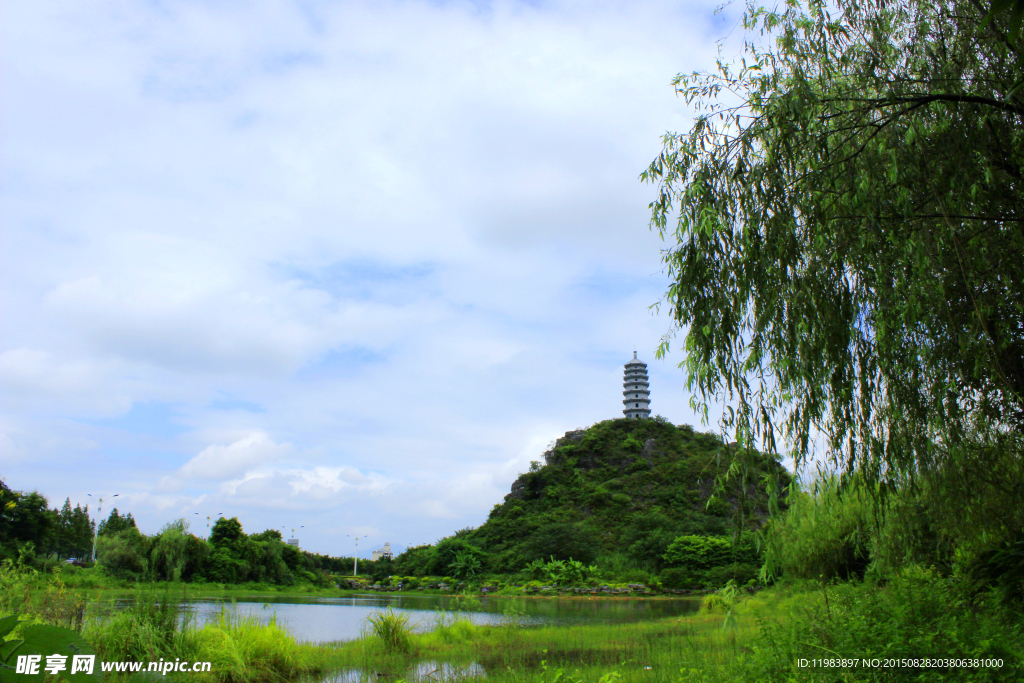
x,y
60,607
824,534
392,630
119,556
739,572
561,541
679,577
700,553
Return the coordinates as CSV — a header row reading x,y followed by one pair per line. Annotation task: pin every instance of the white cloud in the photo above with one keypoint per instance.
x,y
34,378
311,488
238,457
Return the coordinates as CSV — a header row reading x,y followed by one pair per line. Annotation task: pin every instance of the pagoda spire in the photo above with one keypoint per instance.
x,y
636,390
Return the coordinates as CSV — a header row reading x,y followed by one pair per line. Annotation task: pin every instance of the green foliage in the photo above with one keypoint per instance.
x,y
451,628
561,540
392,630
917,615
466,564
152,626
177,555
34,536
825,534
241,649
15,586
42,640
414,561
842,265
61,607
649,535
74,531
24,519
561,572
123,554
1002,569
227,533
384,567
704,552
713,561
115,523
224,567
454,556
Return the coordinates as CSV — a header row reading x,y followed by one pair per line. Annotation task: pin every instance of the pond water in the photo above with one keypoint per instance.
x,y
321,619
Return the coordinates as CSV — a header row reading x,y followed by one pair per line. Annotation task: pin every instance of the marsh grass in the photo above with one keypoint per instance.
x,y
153,625
391,631
645,651
15,587
735,638
243,649
62,607
451,628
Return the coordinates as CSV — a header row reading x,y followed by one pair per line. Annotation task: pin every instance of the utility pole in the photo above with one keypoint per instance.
x,y
355,560
99,517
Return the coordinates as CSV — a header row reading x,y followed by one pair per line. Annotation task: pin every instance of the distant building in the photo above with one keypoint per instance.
x,y
293,542
381,553
635,390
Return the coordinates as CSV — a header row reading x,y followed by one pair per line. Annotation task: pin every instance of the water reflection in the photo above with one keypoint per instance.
x,y
423,671
320,619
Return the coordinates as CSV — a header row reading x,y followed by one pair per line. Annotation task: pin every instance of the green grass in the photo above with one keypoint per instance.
x,y
240,649
736,637
752,638
391,631
513,653
153,626
244,650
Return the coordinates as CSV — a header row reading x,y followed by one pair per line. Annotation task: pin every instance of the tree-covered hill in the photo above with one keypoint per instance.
x,y
618,493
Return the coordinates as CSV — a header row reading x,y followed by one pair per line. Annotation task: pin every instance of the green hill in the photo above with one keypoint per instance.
x,y
617,494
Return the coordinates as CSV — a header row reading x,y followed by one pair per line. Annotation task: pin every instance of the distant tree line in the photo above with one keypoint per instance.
x,y
34,534
29,526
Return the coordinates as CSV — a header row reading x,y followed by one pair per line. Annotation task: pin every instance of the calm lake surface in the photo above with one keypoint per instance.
x,y
320,619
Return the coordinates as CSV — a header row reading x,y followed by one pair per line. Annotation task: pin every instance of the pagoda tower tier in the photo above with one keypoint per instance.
x,y
636,390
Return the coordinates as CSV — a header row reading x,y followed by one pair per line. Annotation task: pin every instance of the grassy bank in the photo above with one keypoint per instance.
x,y
240,649
154,626
736,637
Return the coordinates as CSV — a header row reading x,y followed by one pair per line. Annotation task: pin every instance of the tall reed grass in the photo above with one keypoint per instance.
x,y
737,637
152,626
391,630
242,649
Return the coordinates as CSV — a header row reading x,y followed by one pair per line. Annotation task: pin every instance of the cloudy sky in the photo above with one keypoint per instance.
x,y
346,265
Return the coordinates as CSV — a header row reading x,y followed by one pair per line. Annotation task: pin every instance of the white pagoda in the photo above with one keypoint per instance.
x,y
635,390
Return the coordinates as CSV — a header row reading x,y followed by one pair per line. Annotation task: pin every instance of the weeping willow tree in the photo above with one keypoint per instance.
x,y
846,221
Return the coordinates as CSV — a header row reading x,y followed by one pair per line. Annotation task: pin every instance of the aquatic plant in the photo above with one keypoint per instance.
x,y
153,625
242,649
392,630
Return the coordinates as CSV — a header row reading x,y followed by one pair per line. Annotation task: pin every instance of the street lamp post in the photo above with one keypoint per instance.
x,y
208,518
99,516
355,560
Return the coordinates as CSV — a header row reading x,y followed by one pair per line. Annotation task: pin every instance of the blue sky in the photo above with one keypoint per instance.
x,y
342,265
